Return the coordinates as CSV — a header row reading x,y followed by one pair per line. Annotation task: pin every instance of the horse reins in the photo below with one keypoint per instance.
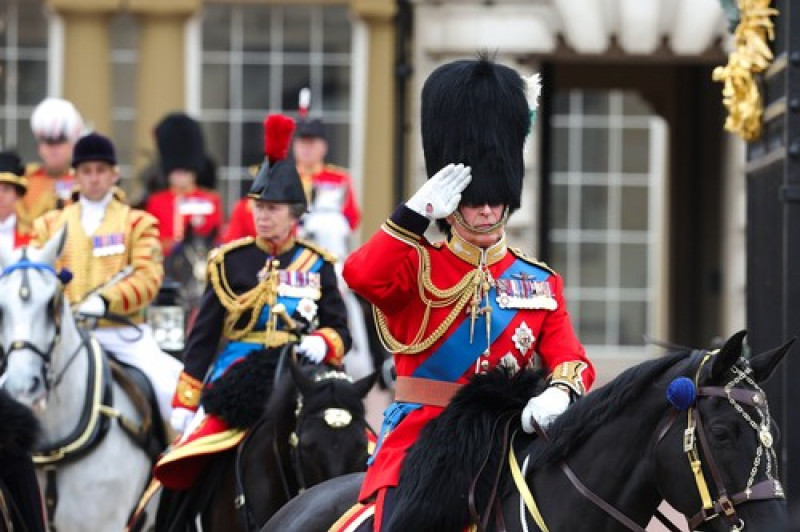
x,y
724,505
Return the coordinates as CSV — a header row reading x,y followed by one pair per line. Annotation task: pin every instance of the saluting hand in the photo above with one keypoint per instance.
x,y
440,195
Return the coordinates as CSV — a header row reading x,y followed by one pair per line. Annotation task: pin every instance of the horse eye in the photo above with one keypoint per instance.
x,y
722,433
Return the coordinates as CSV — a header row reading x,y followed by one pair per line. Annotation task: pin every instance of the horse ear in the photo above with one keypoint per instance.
x,y
365,384
764,364
727,356
52,248
301,380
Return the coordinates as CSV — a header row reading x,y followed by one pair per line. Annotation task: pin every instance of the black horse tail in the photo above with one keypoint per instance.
x,y
461,445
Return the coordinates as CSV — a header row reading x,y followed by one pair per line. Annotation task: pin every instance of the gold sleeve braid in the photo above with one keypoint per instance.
x,y
264,293
570,374
458,296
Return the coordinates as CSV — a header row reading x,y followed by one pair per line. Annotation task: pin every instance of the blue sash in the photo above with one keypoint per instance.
x,y
456,353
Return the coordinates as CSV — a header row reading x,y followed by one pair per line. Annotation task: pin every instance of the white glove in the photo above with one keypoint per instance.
x,y
313,348
180,418
544,408
440,194
94,306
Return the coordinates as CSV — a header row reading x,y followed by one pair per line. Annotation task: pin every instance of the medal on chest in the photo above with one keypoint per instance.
x,y
105,245
522,291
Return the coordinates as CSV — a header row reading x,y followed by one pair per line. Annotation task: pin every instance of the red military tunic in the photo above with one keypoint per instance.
x,y
330,178
528,317
201,209
240,223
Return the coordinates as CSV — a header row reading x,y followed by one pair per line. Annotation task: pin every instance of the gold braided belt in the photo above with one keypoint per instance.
x,y
268,338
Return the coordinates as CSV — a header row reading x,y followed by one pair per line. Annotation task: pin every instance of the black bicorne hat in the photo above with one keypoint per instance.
x,y
94,147
12,171
181,144
310,129
476,112
277,179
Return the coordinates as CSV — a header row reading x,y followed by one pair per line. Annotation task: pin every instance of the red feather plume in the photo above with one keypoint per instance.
x,y
278,131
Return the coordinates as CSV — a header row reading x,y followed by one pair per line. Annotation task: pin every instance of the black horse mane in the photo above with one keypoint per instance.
x,y
447,457
588,414
18,427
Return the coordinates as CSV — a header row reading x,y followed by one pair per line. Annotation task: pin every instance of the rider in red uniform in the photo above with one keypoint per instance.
x,y
433,300
184,206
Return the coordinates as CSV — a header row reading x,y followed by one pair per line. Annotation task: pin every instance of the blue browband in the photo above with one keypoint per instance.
x,y
25,264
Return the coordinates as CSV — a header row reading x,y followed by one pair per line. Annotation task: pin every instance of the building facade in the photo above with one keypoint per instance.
x,y
632,190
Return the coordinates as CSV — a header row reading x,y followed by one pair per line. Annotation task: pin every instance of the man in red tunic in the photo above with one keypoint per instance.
x,y
184,206
454,309
13,185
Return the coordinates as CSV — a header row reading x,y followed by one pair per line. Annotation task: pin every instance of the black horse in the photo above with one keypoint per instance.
x,y
610,459
313,429
20,500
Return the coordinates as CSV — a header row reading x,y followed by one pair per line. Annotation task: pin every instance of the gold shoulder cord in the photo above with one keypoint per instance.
x,y
264,293
458,296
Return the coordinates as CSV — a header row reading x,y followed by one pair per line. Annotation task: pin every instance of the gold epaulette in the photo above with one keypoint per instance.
x,y
32,168
218,253
326,255
335,169
530,260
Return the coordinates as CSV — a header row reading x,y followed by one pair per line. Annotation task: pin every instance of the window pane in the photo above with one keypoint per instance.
x,y
595,103
633,266
591,322
635,150
594,155
217,142
215,87
124,85
32,82
632,322
634,209
336,30
558,256
594,207
216,28
634,105
257,32
336,90
32,24
255,89
338,143
297,29
295,77
124,33
26,145
252,142
594,265
561,149
123,133
559,206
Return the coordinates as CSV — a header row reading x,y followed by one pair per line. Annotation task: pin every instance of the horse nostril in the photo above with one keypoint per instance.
x,y
36,382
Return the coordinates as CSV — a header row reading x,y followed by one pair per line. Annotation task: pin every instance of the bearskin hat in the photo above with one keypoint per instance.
x,y
277,179
476,112
93,147
12,171
310,129
180,144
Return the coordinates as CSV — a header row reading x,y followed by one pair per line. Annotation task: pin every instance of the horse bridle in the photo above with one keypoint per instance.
x,y
724,506
336,418
24,265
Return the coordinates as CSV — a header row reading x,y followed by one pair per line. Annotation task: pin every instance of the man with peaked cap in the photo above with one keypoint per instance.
x,y
184,206
263,293
13,185
104,238
464,306
57,125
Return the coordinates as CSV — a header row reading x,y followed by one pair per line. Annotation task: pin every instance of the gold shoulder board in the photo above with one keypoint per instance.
x,y
530,260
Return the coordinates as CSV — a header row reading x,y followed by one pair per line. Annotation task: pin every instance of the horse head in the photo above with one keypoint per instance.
x,y
723,428
330,436
30,318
